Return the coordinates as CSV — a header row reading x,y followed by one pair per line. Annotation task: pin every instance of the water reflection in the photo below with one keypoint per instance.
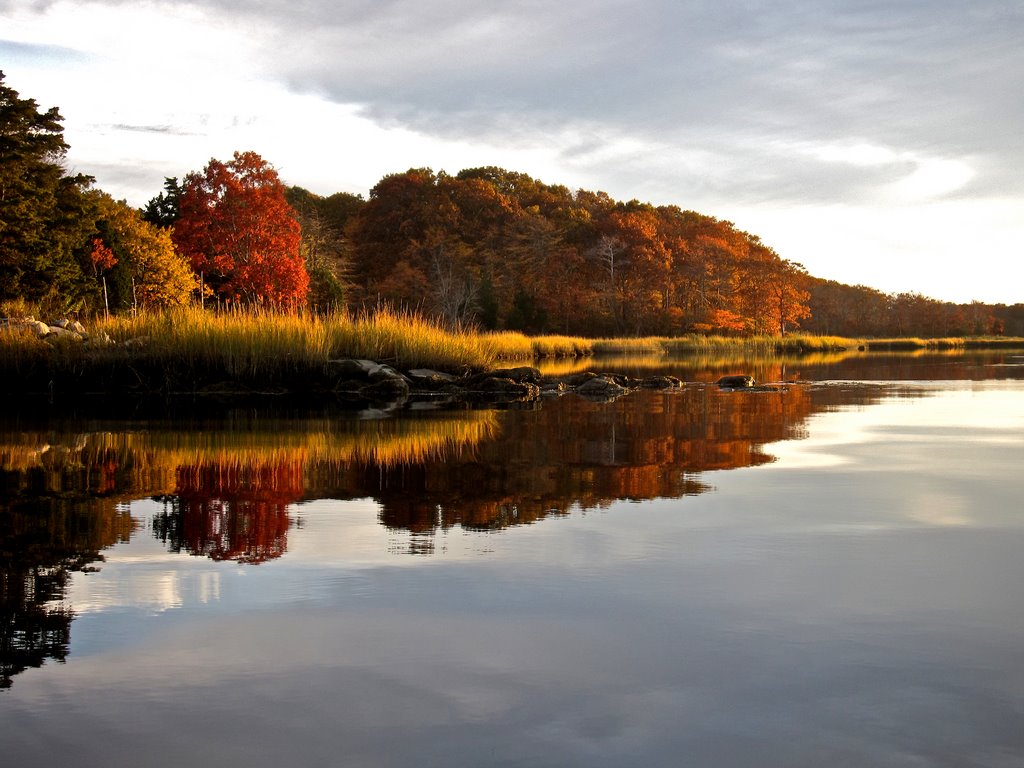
x,y
920,365
41,545
228,488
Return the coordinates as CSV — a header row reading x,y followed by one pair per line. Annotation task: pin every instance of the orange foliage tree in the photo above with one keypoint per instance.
x,y
240,234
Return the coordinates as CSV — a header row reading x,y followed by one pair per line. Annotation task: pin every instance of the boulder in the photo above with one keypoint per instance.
x,y
505,386
350,369
661,382
386,389
56,332
38,327
381,372
420,374
736,382
552,386
579,378
601,386
425,379
520,374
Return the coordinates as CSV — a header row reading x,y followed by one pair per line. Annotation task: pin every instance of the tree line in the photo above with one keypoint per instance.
x,y
487,247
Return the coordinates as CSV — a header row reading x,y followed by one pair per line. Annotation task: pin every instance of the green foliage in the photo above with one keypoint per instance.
x,y
164,209
45,214
324,246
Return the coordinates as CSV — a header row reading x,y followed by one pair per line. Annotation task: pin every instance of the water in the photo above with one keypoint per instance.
x,y
823,575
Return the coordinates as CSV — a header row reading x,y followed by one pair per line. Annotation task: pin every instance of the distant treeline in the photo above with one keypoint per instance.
x,y
487,247
503,250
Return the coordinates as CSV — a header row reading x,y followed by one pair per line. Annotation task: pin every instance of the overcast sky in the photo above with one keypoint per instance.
x,y
879,143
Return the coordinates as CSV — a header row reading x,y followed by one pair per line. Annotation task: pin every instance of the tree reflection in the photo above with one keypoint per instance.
x,y
40,546
579,454
229,487
231,511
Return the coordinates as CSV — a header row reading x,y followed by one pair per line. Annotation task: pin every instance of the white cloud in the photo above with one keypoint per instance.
x,y
880,145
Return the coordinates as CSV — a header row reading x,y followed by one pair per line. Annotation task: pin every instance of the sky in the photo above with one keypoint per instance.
x,y
876,143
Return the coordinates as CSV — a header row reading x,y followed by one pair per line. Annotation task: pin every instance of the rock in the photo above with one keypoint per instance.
x,y
138,342
386,389
425,379
505,386
600,386
38,327
350,369
661,382
381,372
552,386
57,332
62,323
579,378
101,339
627,382
520,374
420,374
78,328
736,382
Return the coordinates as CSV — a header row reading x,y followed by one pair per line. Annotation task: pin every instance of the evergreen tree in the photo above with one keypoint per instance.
x,y
45,216
164,209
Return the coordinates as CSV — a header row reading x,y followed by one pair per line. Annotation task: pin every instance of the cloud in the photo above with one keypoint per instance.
x,y
734,80
46,55
734,108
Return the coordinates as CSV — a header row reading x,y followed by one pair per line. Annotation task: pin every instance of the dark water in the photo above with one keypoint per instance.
x,y
829,574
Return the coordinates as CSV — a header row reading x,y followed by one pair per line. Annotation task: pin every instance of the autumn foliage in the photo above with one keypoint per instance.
x,y
240,234
502,250
485,248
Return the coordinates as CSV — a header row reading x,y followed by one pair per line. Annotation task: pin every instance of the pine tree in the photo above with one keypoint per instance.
x,y
45,216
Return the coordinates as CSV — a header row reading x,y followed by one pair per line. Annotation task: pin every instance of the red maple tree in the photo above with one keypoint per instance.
x,y
240,234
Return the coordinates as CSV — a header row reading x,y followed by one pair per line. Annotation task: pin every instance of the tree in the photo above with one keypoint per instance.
x,y
45,216
324,246
164,209
238,231
146,269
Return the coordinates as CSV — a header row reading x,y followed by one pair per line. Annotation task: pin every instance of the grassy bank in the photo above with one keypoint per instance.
x,y
189,349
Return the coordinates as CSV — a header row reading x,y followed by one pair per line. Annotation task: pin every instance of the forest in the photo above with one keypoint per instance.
x,y
485,248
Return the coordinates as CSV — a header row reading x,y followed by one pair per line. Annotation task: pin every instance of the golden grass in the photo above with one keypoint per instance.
x,y
254,345
153,457
190,344
251,343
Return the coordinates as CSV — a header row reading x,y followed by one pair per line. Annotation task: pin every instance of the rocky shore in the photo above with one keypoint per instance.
x,y
105,367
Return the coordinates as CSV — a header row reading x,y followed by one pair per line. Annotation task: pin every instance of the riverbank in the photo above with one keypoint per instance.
x,y
385,354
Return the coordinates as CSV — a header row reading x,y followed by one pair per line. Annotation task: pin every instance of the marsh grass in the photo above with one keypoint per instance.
x,y
271,346
189,349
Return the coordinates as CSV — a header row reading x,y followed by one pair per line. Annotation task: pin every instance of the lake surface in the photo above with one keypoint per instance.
x,y
828,574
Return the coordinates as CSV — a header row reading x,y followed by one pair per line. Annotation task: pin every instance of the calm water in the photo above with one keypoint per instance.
x,y
824,575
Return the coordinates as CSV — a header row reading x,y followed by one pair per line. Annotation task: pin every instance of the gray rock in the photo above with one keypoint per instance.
x,y
381,372
579,378
600,386
520,374
386,389
736,382
420,374
661,382
40,328
350,369
57,332
505,386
